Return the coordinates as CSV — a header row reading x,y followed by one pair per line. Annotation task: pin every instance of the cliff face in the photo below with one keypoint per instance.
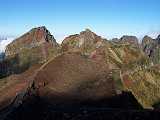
x,y
148,45
151,48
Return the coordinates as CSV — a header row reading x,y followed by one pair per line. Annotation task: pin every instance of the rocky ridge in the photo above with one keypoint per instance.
x,y
84,68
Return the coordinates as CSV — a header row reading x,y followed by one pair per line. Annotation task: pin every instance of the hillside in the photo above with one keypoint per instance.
x,y
85,72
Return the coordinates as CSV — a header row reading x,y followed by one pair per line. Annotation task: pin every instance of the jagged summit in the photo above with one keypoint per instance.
x,y
35,37
34,47
84,41
87,31
47,34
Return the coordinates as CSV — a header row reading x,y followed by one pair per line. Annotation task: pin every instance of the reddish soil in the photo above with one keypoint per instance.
x,y
74,76
14,85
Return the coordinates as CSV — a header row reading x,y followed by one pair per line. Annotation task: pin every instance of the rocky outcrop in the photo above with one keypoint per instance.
x,y
117,53
148,45
85,42
132,40
151,48
147,40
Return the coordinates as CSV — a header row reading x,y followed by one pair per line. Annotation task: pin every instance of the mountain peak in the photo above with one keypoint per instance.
x,y
41,28
85,40
88,30
133,40
34,38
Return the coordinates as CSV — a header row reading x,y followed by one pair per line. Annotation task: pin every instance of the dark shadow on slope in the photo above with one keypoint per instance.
x,y
123,101
157,106
123,107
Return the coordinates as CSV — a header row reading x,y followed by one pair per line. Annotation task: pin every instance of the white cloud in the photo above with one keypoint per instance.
x,y
4,43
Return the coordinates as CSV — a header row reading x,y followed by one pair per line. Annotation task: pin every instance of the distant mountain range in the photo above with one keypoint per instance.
x,y
86,71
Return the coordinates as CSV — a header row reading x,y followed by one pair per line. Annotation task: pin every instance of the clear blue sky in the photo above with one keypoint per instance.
x,y
109,18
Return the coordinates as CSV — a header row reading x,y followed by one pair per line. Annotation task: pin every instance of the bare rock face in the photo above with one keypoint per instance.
x,y
37,37
148,45
130,40
85,42
151,48
116,53
147,40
